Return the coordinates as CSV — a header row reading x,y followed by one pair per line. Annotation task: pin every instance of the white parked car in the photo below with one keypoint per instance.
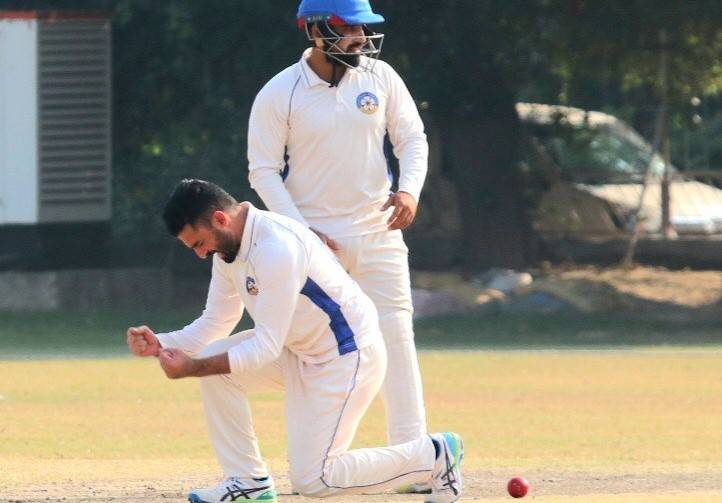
x,y
593,165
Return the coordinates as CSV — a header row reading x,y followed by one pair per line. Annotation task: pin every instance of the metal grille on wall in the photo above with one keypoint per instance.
x,y
74,100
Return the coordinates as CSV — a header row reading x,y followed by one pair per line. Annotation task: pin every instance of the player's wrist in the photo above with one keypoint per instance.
x,y
195,367
213,365
407,193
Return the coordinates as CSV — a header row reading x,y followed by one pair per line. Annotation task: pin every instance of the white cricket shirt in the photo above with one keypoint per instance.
x,y
295,290
316,152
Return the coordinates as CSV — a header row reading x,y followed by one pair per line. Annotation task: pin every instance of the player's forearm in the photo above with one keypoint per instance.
x,y
213,365
412,150
413,166
406,132
197,335
255,352
223,310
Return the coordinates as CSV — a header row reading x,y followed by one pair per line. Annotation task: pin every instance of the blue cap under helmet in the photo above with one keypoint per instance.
x,y
327,15
349,11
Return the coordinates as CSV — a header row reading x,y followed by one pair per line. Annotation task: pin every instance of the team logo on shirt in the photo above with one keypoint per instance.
x,y
367,102
251,286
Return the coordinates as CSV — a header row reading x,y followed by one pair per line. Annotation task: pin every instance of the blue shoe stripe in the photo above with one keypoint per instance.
x,y
456,445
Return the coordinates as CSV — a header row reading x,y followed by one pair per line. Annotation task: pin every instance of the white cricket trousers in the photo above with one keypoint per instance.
x,y
324,405
379,263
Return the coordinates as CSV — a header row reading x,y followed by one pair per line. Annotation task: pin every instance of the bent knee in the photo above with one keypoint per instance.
x,y
311,488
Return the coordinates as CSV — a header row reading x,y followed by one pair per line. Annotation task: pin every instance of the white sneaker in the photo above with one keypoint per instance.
x,y
236,489
446,481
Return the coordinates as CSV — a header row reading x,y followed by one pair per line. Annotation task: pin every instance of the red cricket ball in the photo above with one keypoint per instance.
x,y
518,487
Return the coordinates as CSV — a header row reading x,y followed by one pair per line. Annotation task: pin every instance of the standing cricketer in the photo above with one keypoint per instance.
x,y
315,334
316,154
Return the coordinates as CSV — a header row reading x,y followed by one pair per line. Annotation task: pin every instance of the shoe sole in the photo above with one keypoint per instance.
x,y
266,497
413,490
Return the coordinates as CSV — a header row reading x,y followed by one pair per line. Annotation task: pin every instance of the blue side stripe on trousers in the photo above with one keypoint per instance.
x,y
339,326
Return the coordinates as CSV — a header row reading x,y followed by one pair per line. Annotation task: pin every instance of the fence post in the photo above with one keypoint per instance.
x,y
667,230
666,225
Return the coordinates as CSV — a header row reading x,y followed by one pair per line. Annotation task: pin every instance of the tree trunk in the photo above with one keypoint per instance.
x,y
482,153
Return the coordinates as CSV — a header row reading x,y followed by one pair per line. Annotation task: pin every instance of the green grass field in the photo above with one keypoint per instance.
x,y
63,335
624,422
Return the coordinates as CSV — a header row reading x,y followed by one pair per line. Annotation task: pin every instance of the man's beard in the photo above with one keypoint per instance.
x,y
226,247
350,59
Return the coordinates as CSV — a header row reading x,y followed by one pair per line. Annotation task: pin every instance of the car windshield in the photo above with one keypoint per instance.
x,y
596,154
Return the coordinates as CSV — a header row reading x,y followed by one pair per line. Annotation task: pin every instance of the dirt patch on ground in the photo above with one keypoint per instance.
x,y
686,289
479,485
648,291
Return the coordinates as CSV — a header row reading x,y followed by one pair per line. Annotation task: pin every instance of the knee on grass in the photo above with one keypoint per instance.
x,y
310,488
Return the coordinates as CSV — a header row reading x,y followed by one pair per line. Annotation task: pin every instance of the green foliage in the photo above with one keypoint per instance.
x,y
185,74
471,47
592,54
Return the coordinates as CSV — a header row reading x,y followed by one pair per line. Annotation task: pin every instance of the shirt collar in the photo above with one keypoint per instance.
x,y
311,78
248,233
308,76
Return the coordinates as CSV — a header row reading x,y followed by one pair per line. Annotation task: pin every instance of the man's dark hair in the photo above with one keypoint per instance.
x,y
192,201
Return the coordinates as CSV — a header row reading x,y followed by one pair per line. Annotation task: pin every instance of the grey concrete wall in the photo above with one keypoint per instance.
x,y
85,289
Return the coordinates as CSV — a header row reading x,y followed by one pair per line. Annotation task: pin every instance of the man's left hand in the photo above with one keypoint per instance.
x,y
404,210
175,363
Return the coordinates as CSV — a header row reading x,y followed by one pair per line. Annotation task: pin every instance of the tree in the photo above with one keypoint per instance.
x,y
464,57
473,59
185,77
186,73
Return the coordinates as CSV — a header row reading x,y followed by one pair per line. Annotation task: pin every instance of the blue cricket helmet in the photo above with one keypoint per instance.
x,y
351,12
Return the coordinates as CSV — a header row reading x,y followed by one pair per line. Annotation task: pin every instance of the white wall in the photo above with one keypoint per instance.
x,y
18,122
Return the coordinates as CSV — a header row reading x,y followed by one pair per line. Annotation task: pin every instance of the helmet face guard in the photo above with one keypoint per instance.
x,y
331,39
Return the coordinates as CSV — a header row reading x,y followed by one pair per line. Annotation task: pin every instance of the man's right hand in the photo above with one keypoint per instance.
x,y
327,240
143,342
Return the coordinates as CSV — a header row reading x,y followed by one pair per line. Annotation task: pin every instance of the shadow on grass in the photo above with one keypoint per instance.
x,y
539,331
85,335
60,335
